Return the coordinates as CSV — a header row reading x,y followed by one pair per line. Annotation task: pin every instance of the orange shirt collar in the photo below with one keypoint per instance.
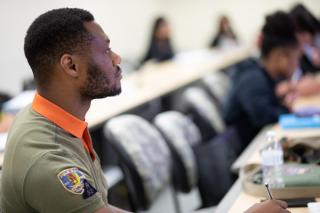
x,y
60,117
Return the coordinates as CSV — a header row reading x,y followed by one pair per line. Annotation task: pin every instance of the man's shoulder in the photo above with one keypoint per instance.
x,y
250,73
30,137
27,119
51,161
251,77
29,124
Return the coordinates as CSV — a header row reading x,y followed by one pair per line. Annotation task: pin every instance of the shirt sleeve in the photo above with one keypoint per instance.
x,y
59,184
259,102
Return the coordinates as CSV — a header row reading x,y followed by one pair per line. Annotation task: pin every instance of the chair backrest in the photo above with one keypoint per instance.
x,y
148,110
144,157
3,98
181,135
214,160
218,85
205,112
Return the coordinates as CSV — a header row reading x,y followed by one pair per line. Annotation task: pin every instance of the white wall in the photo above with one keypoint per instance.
x,y
128,23
195,22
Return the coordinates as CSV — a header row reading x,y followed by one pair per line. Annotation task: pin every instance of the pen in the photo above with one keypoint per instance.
x,y
268,190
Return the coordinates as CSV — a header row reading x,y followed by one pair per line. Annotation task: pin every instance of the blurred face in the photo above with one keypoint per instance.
x,y
225,24
163,31
103,74
287,60
305,38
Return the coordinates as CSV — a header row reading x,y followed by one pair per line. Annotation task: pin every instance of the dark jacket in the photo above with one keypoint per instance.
x,y
307,66
252,102
159,51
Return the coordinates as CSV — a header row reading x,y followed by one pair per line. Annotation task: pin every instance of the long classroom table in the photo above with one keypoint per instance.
x,y
236,199
156,80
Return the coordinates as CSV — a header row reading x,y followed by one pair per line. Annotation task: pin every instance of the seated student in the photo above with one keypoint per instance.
x,y
306,28
160,48
225,36
49,162
252,102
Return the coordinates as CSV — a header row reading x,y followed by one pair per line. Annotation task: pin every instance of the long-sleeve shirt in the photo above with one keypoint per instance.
x,y
252,102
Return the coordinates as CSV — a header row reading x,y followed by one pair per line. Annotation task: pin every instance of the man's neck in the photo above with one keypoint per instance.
x,y
71,103
270,68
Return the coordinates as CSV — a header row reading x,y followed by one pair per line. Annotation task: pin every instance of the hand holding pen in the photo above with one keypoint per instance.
x,y
268,190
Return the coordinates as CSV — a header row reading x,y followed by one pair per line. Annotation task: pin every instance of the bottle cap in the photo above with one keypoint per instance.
x,y
271,134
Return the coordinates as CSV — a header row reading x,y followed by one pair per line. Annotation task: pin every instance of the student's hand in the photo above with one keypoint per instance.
x,y
269,206
286,92
284,88
308,85
316,57
289,100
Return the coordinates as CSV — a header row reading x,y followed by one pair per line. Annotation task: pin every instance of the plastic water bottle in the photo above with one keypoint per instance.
x,y
272,162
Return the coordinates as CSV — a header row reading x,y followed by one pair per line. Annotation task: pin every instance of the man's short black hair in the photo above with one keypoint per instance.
x,y
278,31
53,34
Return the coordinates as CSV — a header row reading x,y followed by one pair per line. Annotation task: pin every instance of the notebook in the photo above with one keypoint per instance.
x,y
288,121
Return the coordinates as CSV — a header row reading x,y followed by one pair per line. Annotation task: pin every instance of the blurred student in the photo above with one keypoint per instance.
x,y
160,48
225,36
253,102
306,28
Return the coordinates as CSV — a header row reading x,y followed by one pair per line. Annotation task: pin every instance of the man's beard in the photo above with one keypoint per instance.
x,y
98,84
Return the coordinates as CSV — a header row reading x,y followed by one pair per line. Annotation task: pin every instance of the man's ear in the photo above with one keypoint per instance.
x,y
69,66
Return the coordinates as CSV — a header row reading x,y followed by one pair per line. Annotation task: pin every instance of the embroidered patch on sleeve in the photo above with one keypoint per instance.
x,y
72,180
89,190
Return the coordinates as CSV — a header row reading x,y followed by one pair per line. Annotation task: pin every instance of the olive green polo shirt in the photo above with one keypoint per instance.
x,y
49,164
